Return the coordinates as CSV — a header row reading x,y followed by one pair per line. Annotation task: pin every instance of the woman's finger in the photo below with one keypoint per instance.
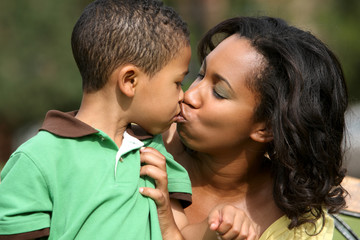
x,y
227,219
159,175
154,194
153,157
214,219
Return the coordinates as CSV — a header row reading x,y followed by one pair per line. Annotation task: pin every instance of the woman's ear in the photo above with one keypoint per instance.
x,y
127,79
262,133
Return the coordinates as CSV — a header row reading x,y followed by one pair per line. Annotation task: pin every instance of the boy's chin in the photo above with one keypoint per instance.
x,y
159,130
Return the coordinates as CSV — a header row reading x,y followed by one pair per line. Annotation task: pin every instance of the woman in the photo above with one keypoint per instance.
x,y
262,128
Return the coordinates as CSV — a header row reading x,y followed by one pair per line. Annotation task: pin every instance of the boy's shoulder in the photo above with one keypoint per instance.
x,y
42,140
58,129
36,151
64,124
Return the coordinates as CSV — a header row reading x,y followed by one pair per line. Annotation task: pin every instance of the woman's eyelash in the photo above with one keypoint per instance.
x,y
201,76
217,95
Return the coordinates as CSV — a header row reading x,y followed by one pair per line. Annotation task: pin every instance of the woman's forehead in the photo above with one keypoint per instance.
x,y
234,55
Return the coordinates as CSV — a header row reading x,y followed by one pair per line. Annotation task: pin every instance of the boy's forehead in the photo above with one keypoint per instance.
x,y
178,65
182,60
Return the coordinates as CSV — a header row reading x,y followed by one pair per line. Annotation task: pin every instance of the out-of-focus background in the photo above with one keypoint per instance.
x,y
38,73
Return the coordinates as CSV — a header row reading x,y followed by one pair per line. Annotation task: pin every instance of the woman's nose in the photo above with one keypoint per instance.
x,y
192,95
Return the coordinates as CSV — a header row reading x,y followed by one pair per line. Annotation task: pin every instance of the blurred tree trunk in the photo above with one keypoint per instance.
x,y
6,137
203,14
200,16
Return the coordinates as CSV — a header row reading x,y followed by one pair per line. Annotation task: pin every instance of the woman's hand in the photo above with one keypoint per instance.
x,y
230,222
155,167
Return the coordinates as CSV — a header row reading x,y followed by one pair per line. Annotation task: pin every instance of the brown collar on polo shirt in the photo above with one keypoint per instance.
x,y
66,125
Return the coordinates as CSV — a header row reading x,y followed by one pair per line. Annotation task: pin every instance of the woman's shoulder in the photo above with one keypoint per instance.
x,y
352,185
279,230
348,220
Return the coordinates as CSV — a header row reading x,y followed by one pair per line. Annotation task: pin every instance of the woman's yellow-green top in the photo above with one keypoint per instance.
x,y
279,230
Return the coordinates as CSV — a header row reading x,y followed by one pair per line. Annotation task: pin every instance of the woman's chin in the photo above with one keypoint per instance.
x,y
187,140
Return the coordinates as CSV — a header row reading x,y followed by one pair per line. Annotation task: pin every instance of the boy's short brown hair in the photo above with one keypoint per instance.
x,y
110,33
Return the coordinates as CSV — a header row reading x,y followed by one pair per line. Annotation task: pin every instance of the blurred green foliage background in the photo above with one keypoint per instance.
x,y
38,73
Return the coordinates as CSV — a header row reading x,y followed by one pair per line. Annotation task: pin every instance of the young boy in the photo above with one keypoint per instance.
x,y
79,177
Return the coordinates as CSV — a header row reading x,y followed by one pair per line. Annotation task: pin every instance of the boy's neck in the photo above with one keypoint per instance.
x,y
102,112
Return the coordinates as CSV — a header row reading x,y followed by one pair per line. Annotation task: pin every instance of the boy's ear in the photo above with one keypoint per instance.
x,y
262,133
127,79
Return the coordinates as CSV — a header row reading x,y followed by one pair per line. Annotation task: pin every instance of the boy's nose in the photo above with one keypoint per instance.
x,y
181,96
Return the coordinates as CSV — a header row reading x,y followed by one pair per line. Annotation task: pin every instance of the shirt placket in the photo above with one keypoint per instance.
x,y
128,144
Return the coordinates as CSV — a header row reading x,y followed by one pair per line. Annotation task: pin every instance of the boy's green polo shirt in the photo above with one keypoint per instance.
x,y
73,179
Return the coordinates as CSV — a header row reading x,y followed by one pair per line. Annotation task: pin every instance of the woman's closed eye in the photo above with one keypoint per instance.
x,y
220,93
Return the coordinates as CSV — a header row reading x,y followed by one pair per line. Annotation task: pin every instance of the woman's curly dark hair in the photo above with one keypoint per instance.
x,y
303,98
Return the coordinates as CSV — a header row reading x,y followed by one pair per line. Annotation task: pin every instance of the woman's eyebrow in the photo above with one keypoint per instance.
x,y
203,65
221,78
218,76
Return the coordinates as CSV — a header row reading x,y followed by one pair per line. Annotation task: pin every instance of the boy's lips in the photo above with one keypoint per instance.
x,y
180,117
182,113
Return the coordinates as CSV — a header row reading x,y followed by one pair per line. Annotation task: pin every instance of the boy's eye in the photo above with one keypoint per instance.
x,y
179,84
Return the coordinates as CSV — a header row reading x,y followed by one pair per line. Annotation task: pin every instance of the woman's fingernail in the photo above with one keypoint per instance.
x,y
218,236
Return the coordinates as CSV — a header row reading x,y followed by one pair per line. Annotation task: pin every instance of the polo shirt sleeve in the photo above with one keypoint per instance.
x,y
179,185
25,203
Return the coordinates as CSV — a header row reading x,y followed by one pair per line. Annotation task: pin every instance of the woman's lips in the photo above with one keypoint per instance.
x,y
179,118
